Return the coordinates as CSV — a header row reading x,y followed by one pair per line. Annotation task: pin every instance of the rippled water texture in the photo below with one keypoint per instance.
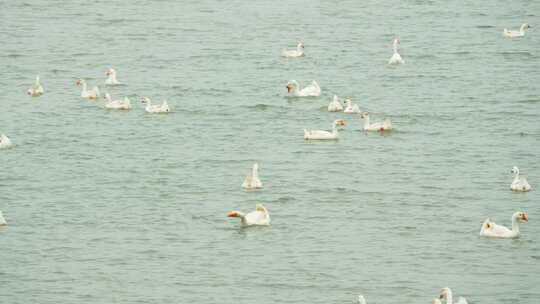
x,y
129,207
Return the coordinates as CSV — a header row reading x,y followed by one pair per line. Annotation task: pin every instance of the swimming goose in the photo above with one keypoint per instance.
x,y
312,89
385,125
160,108
396,58
121,104
111,81
490,229
252,180
520,33
319,134
36,89
294,53
258,217
351,109
90,94
2,219
520,182
5,142
335,106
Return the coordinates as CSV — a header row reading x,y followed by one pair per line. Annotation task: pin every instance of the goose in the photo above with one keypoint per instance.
x,y
447,292
520,182
335,106
294,53
111,81
396,58
318,134
312,89
351,108
258,217
520,33
252,180
2,219
490,229
160,108
36,89
385,125
90,94
5,142
121,104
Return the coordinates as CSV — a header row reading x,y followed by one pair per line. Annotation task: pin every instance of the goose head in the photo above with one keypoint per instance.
x,y
300,46
111,72
108,96
526,25
444,292
347,100
364,114
522,216
234,214
145,100
290,86
80,82
515,170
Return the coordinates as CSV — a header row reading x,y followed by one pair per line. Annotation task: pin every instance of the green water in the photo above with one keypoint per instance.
x,y
129,207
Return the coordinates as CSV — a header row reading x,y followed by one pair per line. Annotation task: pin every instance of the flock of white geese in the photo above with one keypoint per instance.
x,y
260,216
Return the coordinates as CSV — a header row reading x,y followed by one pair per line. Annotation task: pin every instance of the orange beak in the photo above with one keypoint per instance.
x,y
342,123
525,218
108,73
232,214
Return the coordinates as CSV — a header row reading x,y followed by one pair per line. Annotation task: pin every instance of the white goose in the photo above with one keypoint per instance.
x,y
385,125
2,219
335,106
447,292
121,104
294,53
312,89
111,81
5,142
323,135
520,182
160,108
351,108
396,58
90,94
520,33
36,89
258,217
252,180
490,229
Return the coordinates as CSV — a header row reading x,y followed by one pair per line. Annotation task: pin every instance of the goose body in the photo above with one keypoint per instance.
x,y
5,142
335,106
36,89
159,108
490,229
252,180
324,135
396,57
385,125
514,33
90,94
121,104
111,80
294,53
350,107
447,293
312,89
259,217
2,220
519,183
